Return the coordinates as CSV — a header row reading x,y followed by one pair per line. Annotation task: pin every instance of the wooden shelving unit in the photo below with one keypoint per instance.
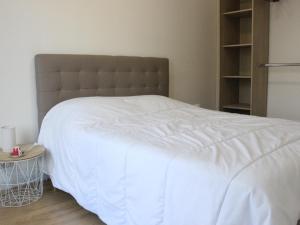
x,y
244,45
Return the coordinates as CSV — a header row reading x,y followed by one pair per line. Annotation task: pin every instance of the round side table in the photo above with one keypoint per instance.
x,y
21,179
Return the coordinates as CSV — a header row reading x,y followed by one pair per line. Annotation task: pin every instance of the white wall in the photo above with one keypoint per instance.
x,y
184,31
284,83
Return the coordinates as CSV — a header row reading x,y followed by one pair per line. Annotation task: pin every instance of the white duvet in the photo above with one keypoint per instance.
x,y
150,160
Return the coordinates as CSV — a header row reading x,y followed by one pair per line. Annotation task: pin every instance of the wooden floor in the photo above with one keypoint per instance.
x,y
54,208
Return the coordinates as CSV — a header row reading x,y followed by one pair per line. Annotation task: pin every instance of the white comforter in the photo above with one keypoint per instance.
x,y
150,160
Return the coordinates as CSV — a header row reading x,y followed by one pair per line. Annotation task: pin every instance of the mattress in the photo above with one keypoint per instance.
x,y
151,160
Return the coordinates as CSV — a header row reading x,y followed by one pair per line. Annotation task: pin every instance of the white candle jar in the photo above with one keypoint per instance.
x,y
8,138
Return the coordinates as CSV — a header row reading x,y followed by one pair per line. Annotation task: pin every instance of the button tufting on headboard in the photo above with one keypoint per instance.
x,y
62,77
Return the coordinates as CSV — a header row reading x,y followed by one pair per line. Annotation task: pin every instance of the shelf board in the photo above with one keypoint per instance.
x,y
238,45
239,13
236,77
240,106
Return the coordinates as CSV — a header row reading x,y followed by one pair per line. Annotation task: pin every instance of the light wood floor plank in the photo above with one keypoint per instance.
x,y
54,208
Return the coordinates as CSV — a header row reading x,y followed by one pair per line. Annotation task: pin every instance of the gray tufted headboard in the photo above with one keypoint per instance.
x,y
62,77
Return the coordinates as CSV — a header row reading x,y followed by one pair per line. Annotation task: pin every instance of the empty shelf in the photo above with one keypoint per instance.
x,y
237,45
239,13
237,77
240,106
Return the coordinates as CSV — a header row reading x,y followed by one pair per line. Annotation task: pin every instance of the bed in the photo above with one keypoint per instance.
x,y
133,156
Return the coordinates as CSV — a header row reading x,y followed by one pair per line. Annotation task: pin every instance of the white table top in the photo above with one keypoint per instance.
x,y
30,151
